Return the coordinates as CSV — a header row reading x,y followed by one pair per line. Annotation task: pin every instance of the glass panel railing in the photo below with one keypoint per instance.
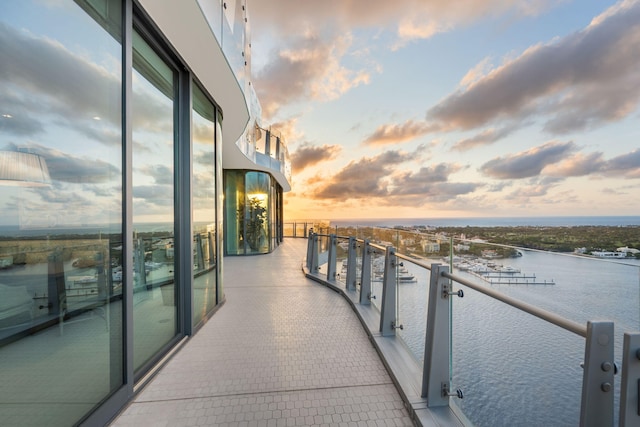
x,y
342,252
322,244
507,361
212,10
377,270
300,229
233,41
512,366
412,296
577,288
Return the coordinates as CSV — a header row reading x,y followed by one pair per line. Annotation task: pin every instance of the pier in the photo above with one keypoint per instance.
x,y
495,278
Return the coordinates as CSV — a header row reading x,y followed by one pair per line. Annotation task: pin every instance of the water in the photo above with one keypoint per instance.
x,y
548,221
515,369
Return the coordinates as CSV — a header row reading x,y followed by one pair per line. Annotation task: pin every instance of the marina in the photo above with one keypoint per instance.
x,y
496,274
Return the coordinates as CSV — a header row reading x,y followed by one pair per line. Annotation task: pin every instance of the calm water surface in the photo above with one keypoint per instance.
x,y
515,369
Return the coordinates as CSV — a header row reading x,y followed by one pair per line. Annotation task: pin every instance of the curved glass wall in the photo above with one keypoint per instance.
x,y
61,308
203,205
251,212
155,313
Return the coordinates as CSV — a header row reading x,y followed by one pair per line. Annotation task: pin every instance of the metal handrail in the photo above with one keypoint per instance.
x,y
597,396
555,319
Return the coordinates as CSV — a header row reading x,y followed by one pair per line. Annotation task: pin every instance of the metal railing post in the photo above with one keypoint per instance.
x,y
331,263
309,251
630,386
315,261
352,264
435,371
365,281
596,408
388,309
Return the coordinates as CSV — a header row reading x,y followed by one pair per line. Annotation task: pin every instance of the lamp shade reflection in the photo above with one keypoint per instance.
x,y
23,169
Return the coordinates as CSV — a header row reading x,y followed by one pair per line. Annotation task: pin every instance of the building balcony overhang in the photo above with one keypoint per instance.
x,y
186,28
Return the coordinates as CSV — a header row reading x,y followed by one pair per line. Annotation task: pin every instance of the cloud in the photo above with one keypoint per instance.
x,y
527,163
363,179
477,73
627,165
287,128
65,167
309,68
160,173
537,188
308,155
486,137
47,78
378,178
416,19
205,158
203,190
430,184
42,79
577,165
312,45
394,134
577,82
153,195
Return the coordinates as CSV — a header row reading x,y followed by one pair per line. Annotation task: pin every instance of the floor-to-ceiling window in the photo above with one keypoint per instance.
x,y
86,309
256,210
203,204
234,201
153,112
251,212
61,309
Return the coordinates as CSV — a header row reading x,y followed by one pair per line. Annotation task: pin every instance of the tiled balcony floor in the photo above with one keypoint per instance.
x,y
282,351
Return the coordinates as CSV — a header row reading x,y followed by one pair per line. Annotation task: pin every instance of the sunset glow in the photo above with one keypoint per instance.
x,y
430,109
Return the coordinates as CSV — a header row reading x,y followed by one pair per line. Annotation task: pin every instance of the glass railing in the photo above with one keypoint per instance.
x,y
522,336
302,228
271,149
228,26
228,23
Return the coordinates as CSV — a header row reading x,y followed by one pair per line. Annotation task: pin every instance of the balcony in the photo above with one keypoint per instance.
x,y
284,350
281,351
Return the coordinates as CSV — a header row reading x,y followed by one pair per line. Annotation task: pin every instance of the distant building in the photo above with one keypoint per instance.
x,y
408,242
430,246
461,248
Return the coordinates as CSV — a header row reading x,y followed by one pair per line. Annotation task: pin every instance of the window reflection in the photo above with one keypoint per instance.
x,y
204,205
60,209
154,291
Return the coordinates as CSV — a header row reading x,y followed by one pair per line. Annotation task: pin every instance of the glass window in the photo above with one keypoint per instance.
x,y
61,329
234,215
155,312
248,212
203,205
256,212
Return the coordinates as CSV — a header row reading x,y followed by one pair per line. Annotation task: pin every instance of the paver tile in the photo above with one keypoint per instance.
x,y
282,351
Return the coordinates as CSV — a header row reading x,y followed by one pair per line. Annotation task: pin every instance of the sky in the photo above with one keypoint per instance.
x,y
471,108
